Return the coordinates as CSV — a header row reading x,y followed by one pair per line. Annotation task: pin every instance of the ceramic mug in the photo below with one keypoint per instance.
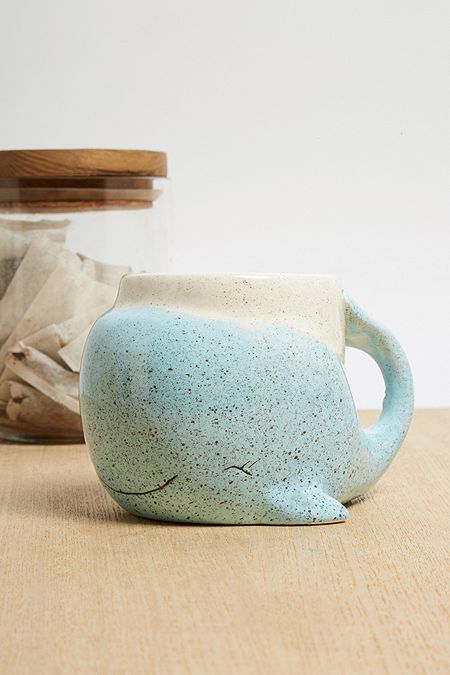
x,y
222,399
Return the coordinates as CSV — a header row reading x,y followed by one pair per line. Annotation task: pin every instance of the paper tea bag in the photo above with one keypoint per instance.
x,y
6,376
72,352
104,272
52,338
66,293
12,249
71,328
48,340
28,406
56,230
41,258
44,374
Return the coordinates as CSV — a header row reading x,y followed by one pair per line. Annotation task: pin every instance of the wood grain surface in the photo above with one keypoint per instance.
x,y
81,179
87,588
81,162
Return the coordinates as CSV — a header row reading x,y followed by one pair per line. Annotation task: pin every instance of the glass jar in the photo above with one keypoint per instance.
x,y
72,223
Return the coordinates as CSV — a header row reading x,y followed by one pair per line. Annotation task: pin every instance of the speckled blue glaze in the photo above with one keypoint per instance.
x,y
200,420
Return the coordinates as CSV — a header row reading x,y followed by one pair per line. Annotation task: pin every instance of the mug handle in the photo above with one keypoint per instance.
x,y
385,436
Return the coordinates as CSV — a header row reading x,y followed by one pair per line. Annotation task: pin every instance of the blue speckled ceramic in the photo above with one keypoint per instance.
x,y
224,399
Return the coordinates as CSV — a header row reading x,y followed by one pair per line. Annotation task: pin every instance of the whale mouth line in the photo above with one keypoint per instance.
x,y
145,492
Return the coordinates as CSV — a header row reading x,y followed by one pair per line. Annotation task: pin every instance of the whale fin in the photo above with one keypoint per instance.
x,y
295,504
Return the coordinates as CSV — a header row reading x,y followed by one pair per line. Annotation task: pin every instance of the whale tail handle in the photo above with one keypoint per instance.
x,y
385,436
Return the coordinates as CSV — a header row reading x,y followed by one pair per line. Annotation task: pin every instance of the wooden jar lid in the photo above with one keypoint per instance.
x,y
81,162
79,179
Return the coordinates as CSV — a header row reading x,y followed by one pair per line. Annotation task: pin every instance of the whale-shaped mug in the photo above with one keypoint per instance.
x,y
223,399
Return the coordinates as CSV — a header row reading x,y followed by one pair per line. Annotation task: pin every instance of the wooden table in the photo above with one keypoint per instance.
x,y
87,588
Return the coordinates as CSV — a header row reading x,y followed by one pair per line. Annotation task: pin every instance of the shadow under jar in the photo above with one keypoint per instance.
x,y
72,223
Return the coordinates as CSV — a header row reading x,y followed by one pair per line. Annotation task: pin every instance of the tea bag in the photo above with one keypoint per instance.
x,y
49,299
72,352
66,293
12,249
53,338
56,230
45,375
41,259
48,340
28,406
71,328
104,272
6,377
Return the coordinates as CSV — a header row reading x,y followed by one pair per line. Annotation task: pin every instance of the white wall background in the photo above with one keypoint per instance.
x,y
302,136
